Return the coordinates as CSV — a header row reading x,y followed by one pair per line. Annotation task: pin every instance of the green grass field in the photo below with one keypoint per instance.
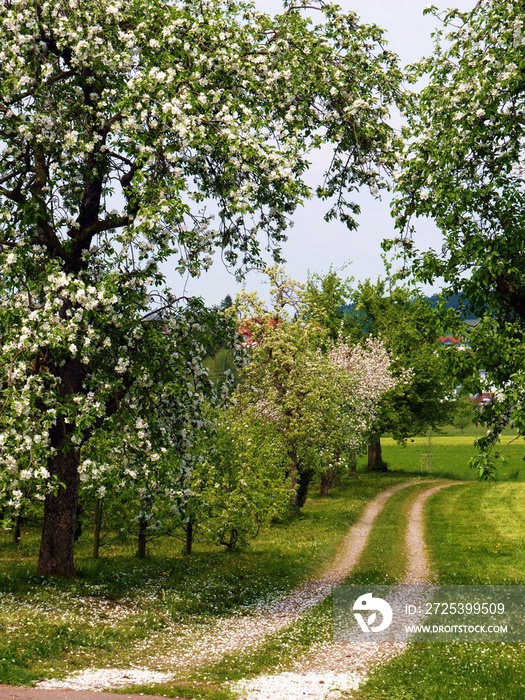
x,y
450,454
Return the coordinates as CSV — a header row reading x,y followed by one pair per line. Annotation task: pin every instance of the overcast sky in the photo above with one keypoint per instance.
x,y
314,245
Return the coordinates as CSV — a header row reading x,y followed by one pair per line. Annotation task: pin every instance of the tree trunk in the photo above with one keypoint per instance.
x,y
189,537
16,528
60,509
305,476
97,528
293,477
328,479
353,465
78,522
60,513
141,543
375,458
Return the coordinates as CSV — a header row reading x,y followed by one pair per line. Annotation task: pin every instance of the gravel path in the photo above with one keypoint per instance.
x,y
335,668
418,564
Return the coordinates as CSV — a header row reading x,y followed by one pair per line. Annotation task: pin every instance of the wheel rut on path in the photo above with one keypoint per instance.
x,y
419,569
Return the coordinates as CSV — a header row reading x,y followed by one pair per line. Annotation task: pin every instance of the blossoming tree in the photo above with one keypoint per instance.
x,y
318,394
132,133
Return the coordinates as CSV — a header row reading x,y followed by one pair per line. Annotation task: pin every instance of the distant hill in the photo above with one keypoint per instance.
x,y
453,302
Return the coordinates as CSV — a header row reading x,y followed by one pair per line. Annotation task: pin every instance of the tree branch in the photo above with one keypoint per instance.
x,y
106,225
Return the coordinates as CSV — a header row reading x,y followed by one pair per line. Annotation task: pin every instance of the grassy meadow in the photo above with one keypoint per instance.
x,y
450,452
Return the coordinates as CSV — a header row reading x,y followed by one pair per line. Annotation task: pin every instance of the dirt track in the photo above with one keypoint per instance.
x,y
342,665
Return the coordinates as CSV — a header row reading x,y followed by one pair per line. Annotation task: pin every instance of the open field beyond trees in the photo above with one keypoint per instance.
x,y
450,455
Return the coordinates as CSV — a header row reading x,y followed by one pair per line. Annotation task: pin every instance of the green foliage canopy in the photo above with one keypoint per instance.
x,y
410,328
463,166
